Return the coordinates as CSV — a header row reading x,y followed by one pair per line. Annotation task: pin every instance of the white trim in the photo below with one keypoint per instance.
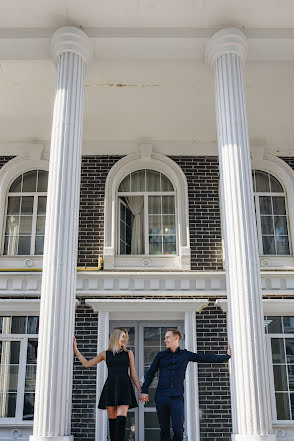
x,y
278,307
149,305
285,175
119,171
20,306
8,173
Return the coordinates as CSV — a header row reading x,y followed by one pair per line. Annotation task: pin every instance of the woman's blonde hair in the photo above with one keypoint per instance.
x,y
114,338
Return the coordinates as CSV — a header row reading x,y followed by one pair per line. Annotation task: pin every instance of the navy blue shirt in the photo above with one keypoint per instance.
x,y
172,369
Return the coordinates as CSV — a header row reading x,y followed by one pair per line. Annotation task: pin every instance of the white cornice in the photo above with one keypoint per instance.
x,y
159,43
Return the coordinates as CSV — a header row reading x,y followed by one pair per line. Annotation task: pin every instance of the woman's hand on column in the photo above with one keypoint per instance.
x,y
229,352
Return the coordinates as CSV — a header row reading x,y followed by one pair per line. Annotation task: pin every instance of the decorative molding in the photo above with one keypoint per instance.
x,y
226,41
270,306
145,283
70,39
147,305
118,172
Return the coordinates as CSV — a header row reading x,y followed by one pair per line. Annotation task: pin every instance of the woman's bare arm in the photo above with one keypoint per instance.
x,y
133,372
88,363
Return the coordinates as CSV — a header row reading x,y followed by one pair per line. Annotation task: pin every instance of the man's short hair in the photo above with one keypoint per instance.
x,y
175,332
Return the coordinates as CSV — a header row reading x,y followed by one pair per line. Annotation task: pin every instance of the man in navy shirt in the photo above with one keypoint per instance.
x,y
169,398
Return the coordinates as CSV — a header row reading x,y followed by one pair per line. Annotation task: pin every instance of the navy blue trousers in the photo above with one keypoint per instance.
x,y
170,409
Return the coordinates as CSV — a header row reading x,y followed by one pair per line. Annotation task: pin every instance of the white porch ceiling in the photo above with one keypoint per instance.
x,y
148,79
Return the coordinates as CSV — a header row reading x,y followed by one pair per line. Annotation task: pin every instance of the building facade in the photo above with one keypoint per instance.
x,y
117,218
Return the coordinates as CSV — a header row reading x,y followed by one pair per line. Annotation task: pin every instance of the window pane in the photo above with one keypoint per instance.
x,y
288,325
282,243
10,245
290,350
30,383
24,245
168,204
1,325
138,181
265,205
292,405
25,227
122,231
125,184
282,403
169,244
275,185
122,249
12,225
280,377
9,378
39,245
274,325
152,180
7,405
151,336
169,226
280,226
27,203
166,185
155,224
42,180
28,406
33,325
151,434
10,352
267,226
29,181
18,325
13,205
130,427
268,243
154,204
291,376
155,245
122,212
262,181
40,224
278,350
279,205
32,351
16,185
42,200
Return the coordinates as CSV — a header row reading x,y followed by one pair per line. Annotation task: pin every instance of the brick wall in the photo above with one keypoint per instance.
x,y
205,227
214,382
289,160
4,159
84,380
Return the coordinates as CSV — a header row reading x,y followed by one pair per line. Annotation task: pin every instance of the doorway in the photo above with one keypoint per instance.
x,y
145,340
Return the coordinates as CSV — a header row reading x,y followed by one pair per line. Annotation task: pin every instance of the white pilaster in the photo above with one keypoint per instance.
x,y
52,421
103,339
191,392
226,51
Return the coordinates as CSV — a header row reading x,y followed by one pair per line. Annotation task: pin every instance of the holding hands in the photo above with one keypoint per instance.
x,y
144,398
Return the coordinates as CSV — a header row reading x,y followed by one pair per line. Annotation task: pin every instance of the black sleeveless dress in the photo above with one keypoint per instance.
x,y
118,389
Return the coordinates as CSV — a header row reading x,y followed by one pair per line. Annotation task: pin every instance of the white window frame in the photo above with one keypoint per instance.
x,y
280,170
146,159
145,195
257,195
35,195
23,338
8,173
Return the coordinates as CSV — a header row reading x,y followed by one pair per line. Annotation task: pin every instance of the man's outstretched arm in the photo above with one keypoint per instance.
x,y
150,375
210,358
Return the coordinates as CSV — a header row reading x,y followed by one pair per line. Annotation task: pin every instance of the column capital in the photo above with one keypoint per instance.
x,y
226,41
70,39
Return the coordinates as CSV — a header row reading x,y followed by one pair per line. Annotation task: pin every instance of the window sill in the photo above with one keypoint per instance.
x,y
166,262
6,423
276,262
23,262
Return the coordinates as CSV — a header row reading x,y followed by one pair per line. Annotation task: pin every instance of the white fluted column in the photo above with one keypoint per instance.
x,y
226,52
52,421
191,392
103,340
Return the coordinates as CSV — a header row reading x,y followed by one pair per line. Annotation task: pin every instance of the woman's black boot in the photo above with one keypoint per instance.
x,y
113,429
121,426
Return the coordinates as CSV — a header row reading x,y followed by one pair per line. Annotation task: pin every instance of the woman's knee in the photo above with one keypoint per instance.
x,y
112,411
122,410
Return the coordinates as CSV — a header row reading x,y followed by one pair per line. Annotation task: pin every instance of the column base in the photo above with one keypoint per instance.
x,y
51,438
236,437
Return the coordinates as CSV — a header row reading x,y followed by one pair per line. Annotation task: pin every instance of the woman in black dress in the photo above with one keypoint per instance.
x,y
118,393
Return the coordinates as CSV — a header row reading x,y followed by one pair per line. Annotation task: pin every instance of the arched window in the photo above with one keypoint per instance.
x,y
271,214
25,216
147,215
